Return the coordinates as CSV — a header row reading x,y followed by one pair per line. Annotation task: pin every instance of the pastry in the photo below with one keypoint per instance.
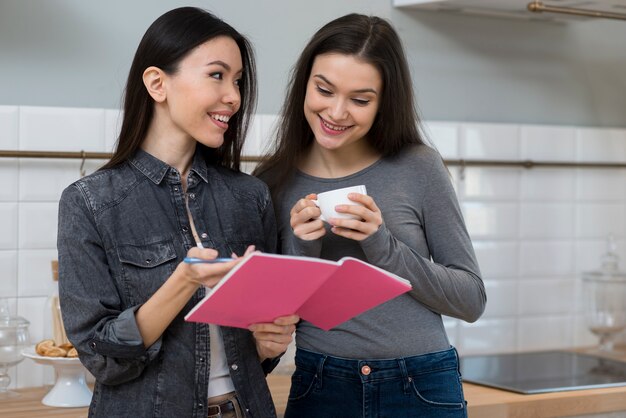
x,y
55,352
43,346
48,348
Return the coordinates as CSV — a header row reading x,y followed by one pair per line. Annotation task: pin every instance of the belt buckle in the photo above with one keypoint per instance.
x,y
218,414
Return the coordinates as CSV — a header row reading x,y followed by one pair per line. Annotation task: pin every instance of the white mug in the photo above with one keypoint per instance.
x,y
327,201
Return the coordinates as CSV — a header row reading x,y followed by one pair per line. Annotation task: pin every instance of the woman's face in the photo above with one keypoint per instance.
x,y
342,98
203,94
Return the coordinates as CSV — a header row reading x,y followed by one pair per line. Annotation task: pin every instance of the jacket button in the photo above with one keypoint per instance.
x,y
201,359
192,196
185,229
92,344
234,367
204,235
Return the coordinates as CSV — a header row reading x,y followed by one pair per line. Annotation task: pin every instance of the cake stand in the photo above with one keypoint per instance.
x,y
70,388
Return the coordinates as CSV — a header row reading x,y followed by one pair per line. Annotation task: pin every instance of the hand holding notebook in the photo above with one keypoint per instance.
x,y
326,293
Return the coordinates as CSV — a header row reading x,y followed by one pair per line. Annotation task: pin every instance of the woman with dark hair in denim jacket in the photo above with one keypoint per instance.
x,y
172,189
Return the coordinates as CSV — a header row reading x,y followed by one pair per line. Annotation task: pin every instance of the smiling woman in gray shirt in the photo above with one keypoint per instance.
x,y
421,221
349,119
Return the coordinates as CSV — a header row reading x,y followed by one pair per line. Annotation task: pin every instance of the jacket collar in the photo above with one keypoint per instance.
x,y
156,170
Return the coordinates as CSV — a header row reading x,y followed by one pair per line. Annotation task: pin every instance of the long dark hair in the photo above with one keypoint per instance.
x,y
166,42
373,40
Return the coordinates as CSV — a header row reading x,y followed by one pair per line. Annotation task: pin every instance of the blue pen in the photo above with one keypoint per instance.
x,y
194,260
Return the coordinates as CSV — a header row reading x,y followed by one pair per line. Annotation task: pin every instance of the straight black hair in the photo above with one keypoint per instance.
x,y
164,45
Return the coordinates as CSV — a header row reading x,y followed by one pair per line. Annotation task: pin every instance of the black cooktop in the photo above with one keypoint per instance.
x,y
544,371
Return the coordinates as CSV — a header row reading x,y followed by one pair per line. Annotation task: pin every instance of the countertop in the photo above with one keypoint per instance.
x,y
483,402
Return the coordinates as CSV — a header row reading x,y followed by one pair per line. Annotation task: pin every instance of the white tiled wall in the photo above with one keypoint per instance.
x,y
534,231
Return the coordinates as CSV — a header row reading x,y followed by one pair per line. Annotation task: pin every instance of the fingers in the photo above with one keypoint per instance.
x,y
271,331
367,210
205,274
369,218
354,229
287,320
272,339
306,225
365,200
304,219
310,231
279,331
305,209
206,253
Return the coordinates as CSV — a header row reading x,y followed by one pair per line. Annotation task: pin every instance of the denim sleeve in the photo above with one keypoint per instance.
x,y
101,327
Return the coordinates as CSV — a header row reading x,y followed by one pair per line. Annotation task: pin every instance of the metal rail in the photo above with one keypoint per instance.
x,y
87,155
539,7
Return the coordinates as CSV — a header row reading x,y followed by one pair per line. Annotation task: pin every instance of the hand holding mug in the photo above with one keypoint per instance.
x,y
350,211
328,201
359,218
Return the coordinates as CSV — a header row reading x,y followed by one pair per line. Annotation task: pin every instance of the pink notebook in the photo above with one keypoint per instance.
x,y
326,293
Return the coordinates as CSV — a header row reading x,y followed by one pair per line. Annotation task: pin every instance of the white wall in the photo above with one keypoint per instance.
x,y
534,230
76,53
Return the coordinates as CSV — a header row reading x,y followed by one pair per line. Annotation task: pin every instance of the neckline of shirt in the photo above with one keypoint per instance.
x,y
338,179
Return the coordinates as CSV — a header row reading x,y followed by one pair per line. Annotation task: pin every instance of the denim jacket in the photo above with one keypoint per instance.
x,y
122,232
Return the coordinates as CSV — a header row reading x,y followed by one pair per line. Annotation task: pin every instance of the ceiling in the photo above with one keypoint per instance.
x,y
514,8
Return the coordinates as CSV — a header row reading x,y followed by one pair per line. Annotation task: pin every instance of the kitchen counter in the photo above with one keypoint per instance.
x,y
28,405
483,402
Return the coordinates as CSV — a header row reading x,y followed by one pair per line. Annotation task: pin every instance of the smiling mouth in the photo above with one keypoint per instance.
x,y
220,118
337,129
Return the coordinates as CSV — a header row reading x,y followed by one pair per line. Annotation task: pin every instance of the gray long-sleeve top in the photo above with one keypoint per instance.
x,y
423,239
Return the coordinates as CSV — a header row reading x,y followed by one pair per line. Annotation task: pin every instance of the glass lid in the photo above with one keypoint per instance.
x,y
609,267
8,321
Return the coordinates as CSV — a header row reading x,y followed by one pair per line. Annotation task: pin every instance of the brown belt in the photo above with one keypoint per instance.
x,y
224,406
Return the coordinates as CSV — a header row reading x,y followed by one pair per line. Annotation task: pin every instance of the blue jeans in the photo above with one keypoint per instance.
x,y
427,385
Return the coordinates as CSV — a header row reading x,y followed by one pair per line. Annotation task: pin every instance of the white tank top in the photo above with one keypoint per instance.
x,y
219,376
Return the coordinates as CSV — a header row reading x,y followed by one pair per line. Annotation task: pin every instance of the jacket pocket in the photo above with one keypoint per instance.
x,y
145,268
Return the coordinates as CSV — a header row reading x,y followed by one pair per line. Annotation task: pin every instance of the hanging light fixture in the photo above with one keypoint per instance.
x,y
539,7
